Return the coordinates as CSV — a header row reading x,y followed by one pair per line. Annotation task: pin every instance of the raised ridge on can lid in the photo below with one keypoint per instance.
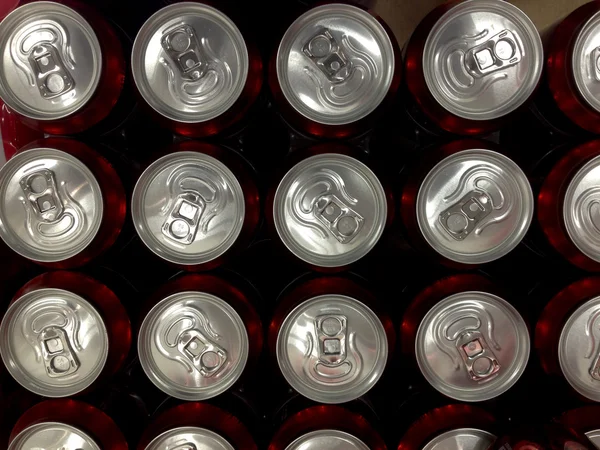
x,y
472,346
52,435
327,440
332,348
189,438
461,439
188,208
53,342
330,210
474,206
335,64
193,345
190,62
482,59
585,62
581,209
51,205
51,60
594,437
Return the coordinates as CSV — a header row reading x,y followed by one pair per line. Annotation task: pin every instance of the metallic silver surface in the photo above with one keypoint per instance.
x,y
327,440
51,61
50,205
52,435
585,62
475,206
594,437
581,209
188,208
53,342
461,439
330,210
332,348
190,62
189,438
335,64
482,59
193,345
472,346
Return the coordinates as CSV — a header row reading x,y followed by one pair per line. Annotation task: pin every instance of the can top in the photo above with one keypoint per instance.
x,y
189,438
474,206
188,208
461,439
193,345
52,435
585,62
594,437
53,342
472,346
482,59
51,205
581,209
335,64
51,60
327,440
190,62
332,348
330,210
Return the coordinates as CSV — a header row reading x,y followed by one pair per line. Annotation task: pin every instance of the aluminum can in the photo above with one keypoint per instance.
x,y
194,69
466,204
471,65
552,436
337,69
14,133
200,337
63,67
63,334
331,339
468,342
584,420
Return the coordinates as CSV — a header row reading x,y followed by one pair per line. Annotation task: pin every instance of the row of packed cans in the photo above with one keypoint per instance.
x,y
469,67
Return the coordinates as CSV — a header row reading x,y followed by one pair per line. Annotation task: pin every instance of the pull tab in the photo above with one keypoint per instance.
x,y
41,192
325,52
206,356
480,361
184,218
183,48
596,63
51,76
331,336
59,358
461,218
186,446
595,368
498,52
341,220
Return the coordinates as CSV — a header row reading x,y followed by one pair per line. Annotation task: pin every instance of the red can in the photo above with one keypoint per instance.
x,y
336,70
68,67
586,420
467,79
15,134
64,333
552,436
66,424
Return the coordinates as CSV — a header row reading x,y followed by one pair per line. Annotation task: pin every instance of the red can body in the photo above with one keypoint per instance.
x,y
15,134
584,419
542,437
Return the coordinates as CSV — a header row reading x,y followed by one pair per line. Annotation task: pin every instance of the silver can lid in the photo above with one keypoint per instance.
x,y
482,59
51,60
332,348
474,206
327,440
190,62
594,437
461,439
51,435
330,210
53,342
51,205
335,64
185,438
586,62
188,208
472,346
581,209
193,345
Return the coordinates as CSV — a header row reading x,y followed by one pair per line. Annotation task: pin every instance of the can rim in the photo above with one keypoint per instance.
x,y
155,444
301,441
578,49
15,444
481,434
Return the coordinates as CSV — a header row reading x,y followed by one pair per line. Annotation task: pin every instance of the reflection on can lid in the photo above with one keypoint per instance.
x,y
53,342
461,439
586,62
184,438
474,206
188,208
332,348
51,61
335,64
482,59
50,205
330,210
594,437
472,346
193,345
190,62
327,440
52,435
